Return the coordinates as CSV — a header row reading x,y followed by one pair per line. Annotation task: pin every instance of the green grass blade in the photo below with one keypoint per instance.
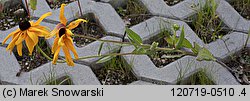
x,y
135,38
181,38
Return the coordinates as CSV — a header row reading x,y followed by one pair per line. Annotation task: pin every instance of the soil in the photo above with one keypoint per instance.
x,y
242,7
133,13
27,62
172,2
241,65
55,4
10,17
115,72
206,33
61,81
91,29
158,57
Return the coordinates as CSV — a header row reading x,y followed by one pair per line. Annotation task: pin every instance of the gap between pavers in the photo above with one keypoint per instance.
x,y
104,14
228,45
145,70
231,17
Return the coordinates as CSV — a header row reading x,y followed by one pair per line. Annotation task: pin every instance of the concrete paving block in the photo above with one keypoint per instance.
x,y
153,26
139,82
181,10
219,74
185,9
8,67
156,7
227,14
109,19
231,17
79,74
115,3
228,45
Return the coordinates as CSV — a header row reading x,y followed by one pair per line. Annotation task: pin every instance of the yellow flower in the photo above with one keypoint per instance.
x,y
63,38
28,31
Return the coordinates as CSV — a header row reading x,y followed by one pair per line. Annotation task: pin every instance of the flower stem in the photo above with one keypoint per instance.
x,y
142,45
79,5
111,54
27,7
45,55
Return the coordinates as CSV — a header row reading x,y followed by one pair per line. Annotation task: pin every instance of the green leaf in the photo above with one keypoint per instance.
x,y
187,44
196,48
33,4
180,39
100,48
133,37
154,45
139,51
169,40
172,56
205,54
105,59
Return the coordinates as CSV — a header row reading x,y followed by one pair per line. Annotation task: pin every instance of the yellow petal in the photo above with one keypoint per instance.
x,y
34,37
63,20
30,44
43,27
21,38
71,47
11,34
75,23
61,40
42,17
67,56
55,45
19,49
43,31
70,39
69,33
52,33
55,31
12,43
56,55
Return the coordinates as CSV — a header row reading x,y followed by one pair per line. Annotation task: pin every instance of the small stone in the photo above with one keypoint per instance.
x,y
19,12
163,61
9,20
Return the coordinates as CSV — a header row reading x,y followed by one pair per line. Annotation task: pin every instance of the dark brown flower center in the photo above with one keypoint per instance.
x,y
24,25
62,31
